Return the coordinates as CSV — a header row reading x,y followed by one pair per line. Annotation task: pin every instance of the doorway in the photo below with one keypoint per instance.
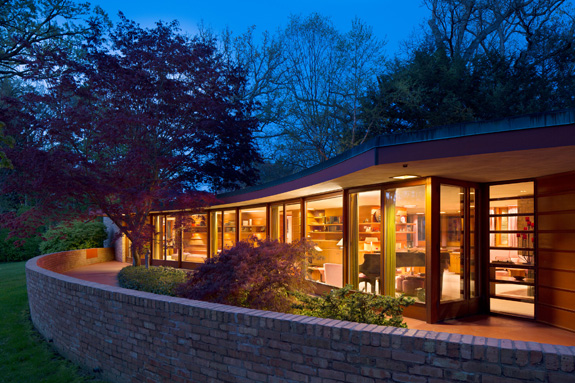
x,y
456,250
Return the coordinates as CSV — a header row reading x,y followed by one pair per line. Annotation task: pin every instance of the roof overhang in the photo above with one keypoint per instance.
x,y
523,147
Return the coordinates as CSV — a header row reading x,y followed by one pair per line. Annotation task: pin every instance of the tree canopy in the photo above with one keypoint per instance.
x,y
149,116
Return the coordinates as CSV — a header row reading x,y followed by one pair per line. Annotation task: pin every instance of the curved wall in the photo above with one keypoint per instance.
x,y
132,336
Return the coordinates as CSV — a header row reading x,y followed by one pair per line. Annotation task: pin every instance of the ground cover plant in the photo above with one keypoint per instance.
x,y
157,280
24,355
354,306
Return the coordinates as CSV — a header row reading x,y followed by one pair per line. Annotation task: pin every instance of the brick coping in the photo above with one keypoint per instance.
x,y
418,353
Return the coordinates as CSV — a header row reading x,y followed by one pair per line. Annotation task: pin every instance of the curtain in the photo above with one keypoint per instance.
x,y
389,244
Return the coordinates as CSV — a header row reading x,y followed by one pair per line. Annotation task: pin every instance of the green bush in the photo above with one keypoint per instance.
x,y
157,280
354,306
10,252
74,235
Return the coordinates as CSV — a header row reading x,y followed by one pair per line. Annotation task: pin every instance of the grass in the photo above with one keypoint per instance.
x,y
25,356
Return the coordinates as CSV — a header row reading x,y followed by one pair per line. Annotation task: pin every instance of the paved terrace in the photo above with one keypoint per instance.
x,y
491,326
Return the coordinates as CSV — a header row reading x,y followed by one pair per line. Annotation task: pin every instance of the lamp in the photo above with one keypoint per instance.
x,y
371,240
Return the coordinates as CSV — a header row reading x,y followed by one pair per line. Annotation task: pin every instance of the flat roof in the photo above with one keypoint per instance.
x,y
474,151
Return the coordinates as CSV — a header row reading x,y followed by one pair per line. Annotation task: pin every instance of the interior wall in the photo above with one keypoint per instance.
x,y
556,250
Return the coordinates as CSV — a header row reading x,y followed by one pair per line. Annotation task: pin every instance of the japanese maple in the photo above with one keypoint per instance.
x,y
146,115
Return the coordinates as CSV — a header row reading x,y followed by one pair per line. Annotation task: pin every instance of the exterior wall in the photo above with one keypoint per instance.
x,y
131,336
68,260
556,250
115,240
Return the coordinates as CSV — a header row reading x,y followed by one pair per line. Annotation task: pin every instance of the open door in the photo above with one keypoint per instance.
x,y
456,250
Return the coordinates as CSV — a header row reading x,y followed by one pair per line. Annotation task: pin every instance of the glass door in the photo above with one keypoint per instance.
x,y
456,256
512,253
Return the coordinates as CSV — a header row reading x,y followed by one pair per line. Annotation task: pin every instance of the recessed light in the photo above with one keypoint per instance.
x,y
405,177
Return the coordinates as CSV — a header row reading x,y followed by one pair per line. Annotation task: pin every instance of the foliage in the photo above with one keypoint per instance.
x,y
74,235
7,141
31,28
156,279
308,80
148,115
354,306
12,251
25,355
259,274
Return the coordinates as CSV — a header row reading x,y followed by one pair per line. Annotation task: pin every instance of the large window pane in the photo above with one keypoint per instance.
x,y
158,238
215,232
512,253
253,223
364,240
473,270
277,222
452,229
173,241
194,238
230,224
405,242
324,227
293,222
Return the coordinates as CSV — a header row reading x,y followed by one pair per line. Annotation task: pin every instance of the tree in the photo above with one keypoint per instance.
x,y
307,80
31,28
465,28
152,116
480,60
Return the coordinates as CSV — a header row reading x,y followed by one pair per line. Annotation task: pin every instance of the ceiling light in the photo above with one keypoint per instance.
x,y
405,177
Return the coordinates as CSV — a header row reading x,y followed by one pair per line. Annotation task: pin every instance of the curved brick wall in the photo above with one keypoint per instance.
x,y
131,336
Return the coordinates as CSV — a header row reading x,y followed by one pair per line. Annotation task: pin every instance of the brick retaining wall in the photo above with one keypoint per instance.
x,y
69,260
131,336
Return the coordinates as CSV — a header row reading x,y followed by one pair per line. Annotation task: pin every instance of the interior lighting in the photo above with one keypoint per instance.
x,y
405,177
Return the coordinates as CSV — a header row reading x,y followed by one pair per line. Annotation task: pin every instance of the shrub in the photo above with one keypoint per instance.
x,y
10,251
156,279
354,306
259,274
74,235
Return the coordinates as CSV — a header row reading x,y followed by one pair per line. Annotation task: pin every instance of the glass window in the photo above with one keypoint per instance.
x,y
365,240
452,255
277,222
230,224
472,251
173,242
512,254
253,223
194,238
293,222
159,235
405,242
324,227
215,232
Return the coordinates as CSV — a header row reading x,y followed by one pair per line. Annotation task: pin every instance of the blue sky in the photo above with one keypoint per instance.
x,y
393,20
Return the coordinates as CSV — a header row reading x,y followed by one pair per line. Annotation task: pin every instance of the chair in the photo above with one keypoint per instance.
x,y
333,274
370,269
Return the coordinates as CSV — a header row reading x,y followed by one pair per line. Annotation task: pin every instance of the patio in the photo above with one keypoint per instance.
x,y
491,326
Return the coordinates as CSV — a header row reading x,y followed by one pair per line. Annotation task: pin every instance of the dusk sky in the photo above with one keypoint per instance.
x,y
393,20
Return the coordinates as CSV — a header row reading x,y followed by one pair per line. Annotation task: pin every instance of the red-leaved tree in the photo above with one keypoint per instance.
x,y
143,116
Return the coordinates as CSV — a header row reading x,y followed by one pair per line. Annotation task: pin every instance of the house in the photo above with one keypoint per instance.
x,y
467,219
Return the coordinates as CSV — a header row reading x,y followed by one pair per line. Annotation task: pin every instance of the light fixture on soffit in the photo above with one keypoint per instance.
x,y
405,177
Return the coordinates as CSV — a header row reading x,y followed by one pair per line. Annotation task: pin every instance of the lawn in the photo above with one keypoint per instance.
x,y
24,355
